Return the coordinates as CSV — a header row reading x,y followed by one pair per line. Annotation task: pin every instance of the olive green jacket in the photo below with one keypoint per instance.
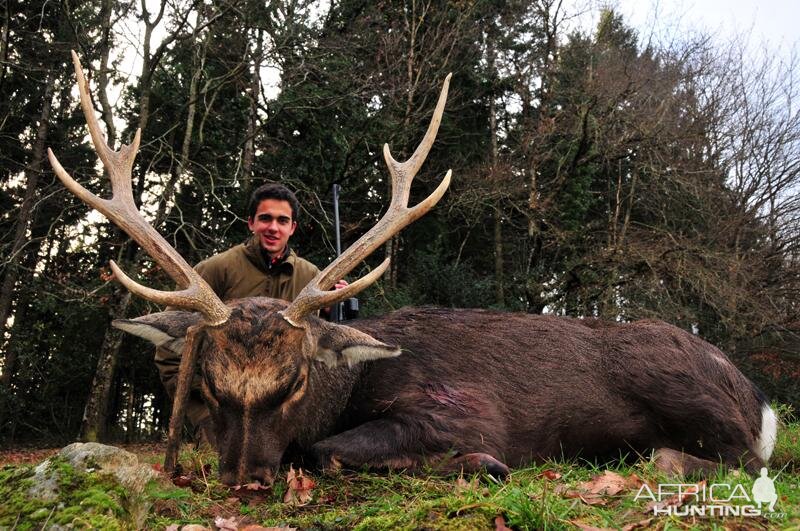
x,y
241,271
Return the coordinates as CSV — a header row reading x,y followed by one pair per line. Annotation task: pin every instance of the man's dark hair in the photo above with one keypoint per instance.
x,y
272,191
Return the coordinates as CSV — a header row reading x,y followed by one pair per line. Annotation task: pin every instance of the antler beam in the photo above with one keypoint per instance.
x,y
315,295
195,293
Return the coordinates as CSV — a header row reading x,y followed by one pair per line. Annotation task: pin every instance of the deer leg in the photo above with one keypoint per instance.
x,y
676,463
472,463
392,444
185,375
379,443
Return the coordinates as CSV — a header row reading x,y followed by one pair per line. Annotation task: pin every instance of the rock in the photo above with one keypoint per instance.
x,y
110,460
101,459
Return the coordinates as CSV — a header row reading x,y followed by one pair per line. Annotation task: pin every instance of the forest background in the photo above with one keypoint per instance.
x,y
596,174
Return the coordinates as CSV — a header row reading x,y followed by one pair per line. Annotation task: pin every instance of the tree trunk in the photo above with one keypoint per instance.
x,y
102,75
96,412
499,282
4,44
27,208
252,118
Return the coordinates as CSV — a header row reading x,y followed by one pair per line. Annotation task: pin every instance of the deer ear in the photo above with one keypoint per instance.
x,y
339,344
163,329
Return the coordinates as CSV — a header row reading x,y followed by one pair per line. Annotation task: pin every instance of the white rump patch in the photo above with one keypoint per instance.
x,y
769,433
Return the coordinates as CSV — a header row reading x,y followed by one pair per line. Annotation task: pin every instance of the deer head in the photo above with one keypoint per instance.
x,y
256,354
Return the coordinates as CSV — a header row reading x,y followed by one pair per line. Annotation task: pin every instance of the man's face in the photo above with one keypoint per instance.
x,y
273,224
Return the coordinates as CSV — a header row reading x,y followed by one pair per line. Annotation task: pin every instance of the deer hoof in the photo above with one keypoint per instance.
x,y
485,462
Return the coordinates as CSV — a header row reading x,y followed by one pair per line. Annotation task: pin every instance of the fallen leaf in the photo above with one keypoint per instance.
x,y
590,499
259,528
462,485
500,524
608,483
251,492
182,481
552,475
299,487
642,524
586,527
226,524
172,527
596,490
194,527
677,500
251,486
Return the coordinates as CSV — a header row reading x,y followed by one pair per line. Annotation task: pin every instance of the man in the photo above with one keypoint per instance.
x,y
264,266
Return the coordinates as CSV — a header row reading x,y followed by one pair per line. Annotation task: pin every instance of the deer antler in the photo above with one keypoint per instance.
x,y
315,295
195,293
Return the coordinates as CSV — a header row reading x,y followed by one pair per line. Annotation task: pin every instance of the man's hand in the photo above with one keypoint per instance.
x,y
325,313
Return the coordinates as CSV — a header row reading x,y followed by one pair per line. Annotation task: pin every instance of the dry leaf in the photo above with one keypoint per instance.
x,y
259,528
500,524
194,527
608,483
182,481
462,485
591,499
226,524
595,491
642,524
251,486
552,475
586,527
299,487
172,527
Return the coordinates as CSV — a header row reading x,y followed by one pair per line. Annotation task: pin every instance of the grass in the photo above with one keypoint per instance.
x,y
552,495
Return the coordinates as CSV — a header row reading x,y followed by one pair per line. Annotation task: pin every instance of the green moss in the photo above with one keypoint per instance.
x,y
85,499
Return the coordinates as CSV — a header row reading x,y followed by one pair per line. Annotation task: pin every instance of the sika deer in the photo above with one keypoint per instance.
x,y
472,388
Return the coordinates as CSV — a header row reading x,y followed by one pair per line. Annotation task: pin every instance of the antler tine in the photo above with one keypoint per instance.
x,y
315,295
196,294
401,187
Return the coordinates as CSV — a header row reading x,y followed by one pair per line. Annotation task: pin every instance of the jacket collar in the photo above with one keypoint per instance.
x,y
259,257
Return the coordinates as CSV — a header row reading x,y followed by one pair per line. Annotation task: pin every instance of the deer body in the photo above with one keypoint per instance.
x,y
522,387
515,387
